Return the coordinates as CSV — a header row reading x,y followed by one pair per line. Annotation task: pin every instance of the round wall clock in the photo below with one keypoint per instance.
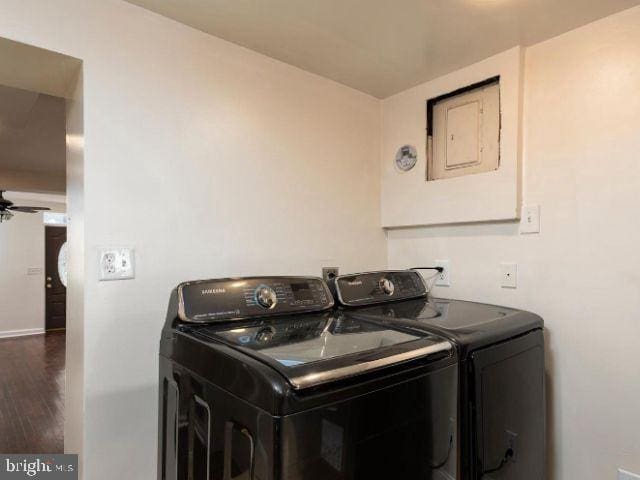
x,y
406,158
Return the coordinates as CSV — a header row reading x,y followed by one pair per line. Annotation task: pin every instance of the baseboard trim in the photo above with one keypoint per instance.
x,y
21,333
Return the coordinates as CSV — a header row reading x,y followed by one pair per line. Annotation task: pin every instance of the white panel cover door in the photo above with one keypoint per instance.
x,y
466,134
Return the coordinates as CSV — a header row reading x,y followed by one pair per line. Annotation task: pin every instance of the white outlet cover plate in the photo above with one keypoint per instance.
x,y
116,263
444,279
530,219
508,275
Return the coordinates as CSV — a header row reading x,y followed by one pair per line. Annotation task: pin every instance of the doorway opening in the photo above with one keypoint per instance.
x,y
41,233
32,334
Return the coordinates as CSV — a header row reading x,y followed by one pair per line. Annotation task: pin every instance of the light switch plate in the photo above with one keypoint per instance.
x,y
444,279
117,263
508,275
624,475
530,219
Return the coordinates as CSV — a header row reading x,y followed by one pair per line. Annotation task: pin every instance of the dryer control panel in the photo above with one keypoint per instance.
x,y
206,301
378,287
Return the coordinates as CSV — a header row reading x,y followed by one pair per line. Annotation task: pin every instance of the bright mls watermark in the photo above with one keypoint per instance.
x,y
39,467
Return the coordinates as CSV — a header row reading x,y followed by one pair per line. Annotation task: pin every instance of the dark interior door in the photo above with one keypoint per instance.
x,y
55,291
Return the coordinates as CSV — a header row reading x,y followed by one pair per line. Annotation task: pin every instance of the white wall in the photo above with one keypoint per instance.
x,y
22,247
581,161
209,159
407,199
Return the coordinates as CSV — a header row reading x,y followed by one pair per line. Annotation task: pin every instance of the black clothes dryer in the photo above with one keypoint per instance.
x,y
501,361
261,379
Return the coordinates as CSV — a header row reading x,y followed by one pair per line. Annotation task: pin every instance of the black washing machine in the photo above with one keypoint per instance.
x,y
260,378
501,360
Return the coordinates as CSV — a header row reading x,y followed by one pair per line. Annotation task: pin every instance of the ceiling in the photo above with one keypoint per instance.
x,y
36,69
32,140
384,46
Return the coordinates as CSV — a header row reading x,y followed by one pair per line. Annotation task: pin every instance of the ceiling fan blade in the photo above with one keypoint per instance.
x,y
23,208
27,209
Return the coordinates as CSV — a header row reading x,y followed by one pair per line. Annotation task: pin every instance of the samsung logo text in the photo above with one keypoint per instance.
x,y
213,291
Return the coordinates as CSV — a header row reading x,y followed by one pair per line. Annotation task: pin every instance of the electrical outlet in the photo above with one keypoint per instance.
x,y
329,272
444,278
624,475
509,275
116,264
530,219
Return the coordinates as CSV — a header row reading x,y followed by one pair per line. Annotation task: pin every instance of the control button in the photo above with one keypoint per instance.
x,y
387,286
265,296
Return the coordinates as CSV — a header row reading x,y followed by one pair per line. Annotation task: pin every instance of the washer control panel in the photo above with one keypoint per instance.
x,y
378,287
206,301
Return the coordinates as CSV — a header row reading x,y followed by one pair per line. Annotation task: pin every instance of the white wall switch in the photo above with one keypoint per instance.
x,y
624,475
117,264
444,278
509,275
530,219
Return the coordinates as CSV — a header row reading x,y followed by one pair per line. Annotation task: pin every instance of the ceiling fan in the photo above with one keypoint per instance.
x,y
7,208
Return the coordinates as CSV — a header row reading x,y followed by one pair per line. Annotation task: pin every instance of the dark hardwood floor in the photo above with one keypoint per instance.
x,y
32,394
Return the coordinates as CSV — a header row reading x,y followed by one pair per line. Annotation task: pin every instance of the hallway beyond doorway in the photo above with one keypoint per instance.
x,y
32,393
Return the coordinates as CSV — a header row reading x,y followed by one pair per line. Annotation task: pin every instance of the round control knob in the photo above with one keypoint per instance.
x,y
387,286
266,297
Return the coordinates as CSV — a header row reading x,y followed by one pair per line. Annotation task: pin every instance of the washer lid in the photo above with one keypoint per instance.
x,y
311,350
